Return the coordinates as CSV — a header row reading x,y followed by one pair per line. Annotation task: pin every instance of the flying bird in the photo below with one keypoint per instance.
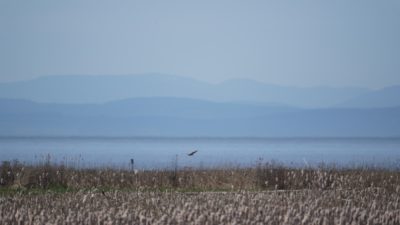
x,y
192,153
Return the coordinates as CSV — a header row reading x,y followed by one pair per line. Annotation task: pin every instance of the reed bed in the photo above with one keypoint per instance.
x,y
265,194
263,176
369,206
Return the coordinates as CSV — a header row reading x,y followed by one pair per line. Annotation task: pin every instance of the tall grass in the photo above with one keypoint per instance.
x,y
268,193
263,176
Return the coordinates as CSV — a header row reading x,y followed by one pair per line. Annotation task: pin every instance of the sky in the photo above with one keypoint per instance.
x,y
292,43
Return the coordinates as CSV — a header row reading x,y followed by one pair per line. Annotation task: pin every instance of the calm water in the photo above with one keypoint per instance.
x,y
161,152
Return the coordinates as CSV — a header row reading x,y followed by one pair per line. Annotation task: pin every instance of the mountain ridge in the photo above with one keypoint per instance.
x,y
388,96
186,117
104,88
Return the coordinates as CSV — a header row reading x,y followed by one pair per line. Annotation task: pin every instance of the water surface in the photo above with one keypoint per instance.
x,y
154,152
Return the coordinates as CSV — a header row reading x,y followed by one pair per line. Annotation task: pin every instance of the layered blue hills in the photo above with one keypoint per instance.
x,y
165,105
190,117
101,89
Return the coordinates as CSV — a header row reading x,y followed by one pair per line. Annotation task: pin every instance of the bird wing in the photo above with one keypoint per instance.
x,y
192,153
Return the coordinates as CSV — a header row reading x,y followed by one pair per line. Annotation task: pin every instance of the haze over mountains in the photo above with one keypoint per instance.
x,y
163,105
100,89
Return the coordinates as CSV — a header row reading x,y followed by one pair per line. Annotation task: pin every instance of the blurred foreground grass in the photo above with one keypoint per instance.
x,y
267,193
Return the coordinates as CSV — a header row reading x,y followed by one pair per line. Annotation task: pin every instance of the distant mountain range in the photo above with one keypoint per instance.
x,y
144,107
101,89
189,117
389,96
164,105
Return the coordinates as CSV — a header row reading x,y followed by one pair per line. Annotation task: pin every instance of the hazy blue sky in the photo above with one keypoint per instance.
x,y
302,43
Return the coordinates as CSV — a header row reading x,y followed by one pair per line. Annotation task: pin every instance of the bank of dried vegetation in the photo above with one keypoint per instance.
x,y
267,193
